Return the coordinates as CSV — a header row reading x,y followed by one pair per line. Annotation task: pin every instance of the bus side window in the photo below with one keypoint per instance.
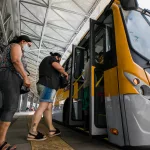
x,y
110,59
79,62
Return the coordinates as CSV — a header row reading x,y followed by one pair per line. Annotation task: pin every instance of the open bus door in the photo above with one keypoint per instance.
x,y
97,44
76,87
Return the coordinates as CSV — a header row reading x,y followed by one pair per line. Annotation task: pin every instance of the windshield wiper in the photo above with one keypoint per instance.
x,y
143,13
146,12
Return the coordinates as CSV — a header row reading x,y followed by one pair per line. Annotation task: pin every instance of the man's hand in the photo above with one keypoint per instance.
x,y
27,82
66,75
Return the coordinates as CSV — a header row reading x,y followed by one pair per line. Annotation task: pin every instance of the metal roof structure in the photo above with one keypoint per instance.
x,y
53,25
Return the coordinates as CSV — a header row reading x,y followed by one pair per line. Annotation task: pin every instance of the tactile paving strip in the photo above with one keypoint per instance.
x,y
54,143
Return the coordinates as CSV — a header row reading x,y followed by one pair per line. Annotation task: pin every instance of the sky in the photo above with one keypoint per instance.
x,y
144,4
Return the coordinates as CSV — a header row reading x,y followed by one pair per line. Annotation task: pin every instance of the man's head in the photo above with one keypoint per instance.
x,y
99,57
57,56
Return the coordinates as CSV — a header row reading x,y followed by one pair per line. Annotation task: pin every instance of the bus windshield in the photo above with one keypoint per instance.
x,y
138,27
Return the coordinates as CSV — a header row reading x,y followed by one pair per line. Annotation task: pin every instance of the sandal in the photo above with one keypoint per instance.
x,y
6,146
56,132
38,137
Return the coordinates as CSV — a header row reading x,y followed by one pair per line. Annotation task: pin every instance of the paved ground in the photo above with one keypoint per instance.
x,y
18,132
78,141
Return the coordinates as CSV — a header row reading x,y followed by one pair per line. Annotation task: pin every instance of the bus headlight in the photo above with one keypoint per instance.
x,y
136,81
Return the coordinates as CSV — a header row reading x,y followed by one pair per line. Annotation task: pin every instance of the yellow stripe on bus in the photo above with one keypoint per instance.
x,y
92,81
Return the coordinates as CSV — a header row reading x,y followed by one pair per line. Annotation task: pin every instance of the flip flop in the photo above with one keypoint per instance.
x,y
7,146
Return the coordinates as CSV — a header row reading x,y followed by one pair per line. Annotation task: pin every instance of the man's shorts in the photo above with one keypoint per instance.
x,y
46,94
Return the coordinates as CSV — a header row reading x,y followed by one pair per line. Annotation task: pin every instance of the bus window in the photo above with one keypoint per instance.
x,y
77,82
79,62
99,102
105,58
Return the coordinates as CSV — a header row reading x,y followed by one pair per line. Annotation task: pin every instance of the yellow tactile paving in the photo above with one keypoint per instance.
x,y
54,143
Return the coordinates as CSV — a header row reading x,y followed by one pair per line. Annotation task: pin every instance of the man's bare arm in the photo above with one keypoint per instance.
x,y
59,68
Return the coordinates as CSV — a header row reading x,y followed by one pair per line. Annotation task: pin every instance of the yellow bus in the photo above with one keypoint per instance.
x,y
118,103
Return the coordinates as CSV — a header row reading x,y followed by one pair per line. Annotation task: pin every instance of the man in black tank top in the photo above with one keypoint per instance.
x,y
49,79
48,75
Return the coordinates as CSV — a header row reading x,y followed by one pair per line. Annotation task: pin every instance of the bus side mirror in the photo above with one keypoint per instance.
x,y
129,4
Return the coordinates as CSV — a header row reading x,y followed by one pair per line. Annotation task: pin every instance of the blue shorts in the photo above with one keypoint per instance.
x,y
46,94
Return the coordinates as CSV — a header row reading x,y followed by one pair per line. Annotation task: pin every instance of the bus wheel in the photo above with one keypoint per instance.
x,y
66,112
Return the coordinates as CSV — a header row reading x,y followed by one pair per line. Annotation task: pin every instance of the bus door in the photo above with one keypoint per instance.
x,y
97,99
76,87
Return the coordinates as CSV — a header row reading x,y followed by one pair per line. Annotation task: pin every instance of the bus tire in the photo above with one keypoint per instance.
x,y
66,112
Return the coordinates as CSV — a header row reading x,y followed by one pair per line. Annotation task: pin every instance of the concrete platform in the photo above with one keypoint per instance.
x,y
77,141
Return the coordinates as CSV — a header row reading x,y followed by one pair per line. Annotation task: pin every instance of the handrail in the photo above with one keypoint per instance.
x,y
99,81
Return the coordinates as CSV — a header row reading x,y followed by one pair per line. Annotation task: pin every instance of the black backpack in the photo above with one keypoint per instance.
x,y
63,82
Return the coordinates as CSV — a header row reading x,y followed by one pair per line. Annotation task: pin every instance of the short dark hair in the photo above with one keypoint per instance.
x,y
18,39
55,54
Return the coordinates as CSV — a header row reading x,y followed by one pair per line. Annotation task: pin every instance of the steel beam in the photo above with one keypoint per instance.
x,y
61,2
31,68
29,34
12,17
59,27
49,43
31,65
59,34
32,54
37,2
37,36
55,39
29,54
43,30
79,6
10,36
41,5
4,6
35,44
49,25
70,11
33,22
31,13
30,58
44,50
3,28
45,46
45,3
59,51
20,13
30,21
7,19
64,19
